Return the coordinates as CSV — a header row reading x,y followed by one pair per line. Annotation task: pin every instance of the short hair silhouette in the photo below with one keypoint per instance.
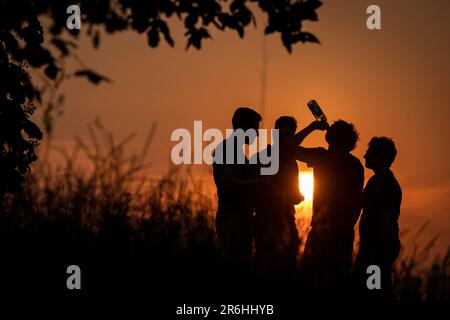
x,y
243,118
342,135
286,121
384,147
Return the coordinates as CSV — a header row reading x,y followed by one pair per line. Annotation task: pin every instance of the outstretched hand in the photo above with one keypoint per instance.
x,y
319,125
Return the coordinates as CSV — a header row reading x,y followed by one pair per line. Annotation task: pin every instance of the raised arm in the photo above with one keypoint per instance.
x,y
308,155
298,138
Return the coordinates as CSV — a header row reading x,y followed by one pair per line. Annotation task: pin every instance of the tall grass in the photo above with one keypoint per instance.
x,y
125,230
417,275
128,232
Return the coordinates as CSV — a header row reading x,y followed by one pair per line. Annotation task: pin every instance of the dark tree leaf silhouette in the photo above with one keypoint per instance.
x,y
92,76
22,46
63,46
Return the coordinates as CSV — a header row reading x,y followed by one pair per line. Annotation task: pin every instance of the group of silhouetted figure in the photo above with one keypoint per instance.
x,y
255,221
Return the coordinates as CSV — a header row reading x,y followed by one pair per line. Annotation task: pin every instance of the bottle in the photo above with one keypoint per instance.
x,y
316,110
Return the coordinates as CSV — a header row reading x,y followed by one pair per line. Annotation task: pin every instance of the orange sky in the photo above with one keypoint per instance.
x,y
392,82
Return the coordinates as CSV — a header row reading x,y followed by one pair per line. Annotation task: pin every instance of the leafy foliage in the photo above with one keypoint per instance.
x,y
25,43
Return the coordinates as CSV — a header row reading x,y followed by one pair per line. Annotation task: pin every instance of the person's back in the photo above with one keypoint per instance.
x,y
235,186
287,177
276,235
378,227
338,183
382,199
338,180
230,197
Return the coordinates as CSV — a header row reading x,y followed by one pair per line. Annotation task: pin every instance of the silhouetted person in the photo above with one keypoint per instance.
x,y
276,238
378,228
235,190
338,183
276,235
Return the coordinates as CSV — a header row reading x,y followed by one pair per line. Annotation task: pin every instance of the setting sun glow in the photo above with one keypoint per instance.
x,y
306,184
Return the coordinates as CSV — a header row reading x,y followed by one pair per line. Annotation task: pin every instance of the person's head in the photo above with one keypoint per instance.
x,y
245,118
286,126
342,136
381,153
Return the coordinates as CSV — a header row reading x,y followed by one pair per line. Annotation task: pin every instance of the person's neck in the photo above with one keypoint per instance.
x,y
381,171
336,150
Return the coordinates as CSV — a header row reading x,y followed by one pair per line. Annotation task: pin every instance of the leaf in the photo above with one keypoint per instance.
x,y
236,5
311,38
244,16
314,4
96,39
169,39
140,23
51,71
204,33
32,130
196,36
223,19
287,42
166,32
306,10
9,39
61,45
31,36
92,76
191,20
306,37
153,37
240,31
38,56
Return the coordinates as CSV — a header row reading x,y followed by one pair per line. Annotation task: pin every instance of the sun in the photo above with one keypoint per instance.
x,y
306,184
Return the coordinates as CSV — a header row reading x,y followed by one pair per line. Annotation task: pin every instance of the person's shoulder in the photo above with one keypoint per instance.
x,y
219,153
386,182
356,168
394,183
392,177
354,159
371,185
372,180
356,162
